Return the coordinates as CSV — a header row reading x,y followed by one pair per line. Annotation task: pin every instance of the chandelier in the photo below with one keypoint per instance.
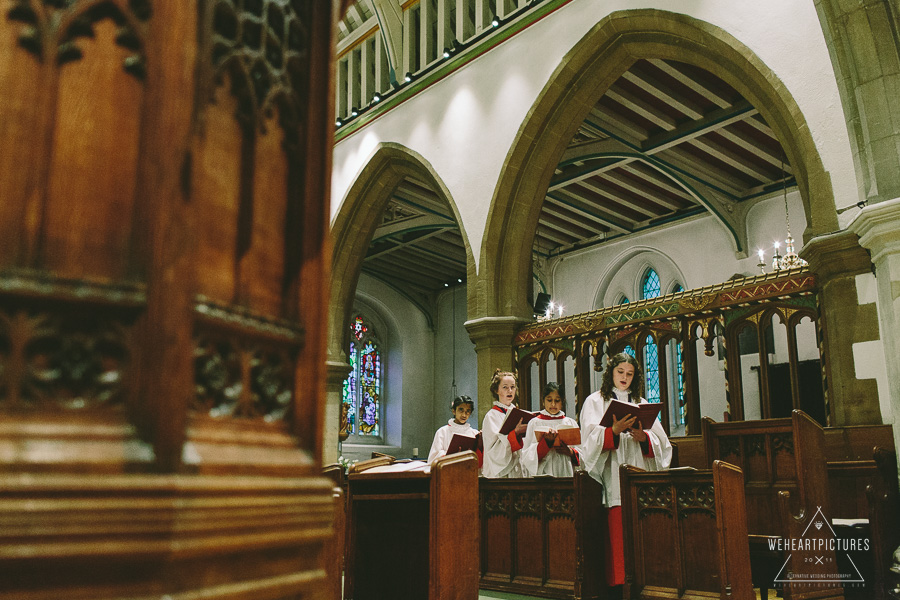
x,y
789,260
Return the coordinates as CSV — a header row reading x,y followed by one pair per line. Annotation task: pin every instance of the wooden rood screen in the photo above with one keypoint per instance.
x,y
719,313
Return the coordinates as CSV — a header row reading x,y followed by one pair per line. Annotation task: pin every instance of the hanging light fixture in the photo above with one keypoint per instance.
x,y
789,260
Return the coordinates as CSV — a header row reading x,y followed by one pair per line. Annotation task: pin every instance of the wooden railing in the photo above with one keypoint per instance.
x,y
743,310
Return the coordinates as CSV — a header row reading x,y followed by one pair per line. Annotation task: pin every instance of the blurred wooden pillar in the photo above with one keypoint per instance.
x,y
164,171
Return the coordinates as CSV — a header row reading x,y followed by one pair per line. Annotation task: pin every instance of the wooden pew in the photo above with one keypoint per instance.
x,y
543,536
413,534
884,519
786,489
334,553
685,533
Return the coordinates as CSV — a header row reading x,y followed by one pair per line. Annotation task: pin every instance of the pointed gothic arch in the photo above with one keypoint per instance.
x,y
354,226
584,75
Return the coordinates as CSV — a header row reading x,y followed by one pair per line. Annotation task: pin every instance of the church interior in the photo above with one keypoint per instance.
x,y
251,250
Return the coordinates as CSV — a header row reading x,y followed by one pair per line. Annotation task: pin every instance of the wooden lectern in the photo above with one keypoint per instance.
x,y
413,534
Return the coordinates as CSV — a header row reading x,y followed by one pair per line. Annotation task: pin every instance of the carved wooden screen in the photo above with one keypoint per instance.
x,y
163,213
688,318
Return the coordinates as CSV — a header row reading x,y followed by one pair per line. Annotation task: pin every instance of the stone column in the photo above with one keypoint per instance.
x,y
837,259
336,373
878,227
493,337
865,52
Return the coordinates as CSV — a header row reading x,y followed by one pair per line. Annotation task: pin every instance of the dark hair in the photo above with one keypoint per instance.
x,y
637,383
459,401
495,382
552,386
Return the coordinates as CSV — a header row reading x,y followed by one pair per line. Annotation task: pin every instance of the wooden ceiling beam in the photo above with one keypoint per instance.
x,y
703,171
406,224
611,211
716,150
637,105
755,148
664,93
714,121
401,245
644,192
610,121
567,214
554,236
616,196
659,179
580,207
690,82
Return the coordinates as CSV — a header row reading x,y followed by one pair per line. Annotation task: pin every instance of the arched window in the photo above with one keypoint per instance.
x,y
362,388
650,288
623,300
629,351
651,369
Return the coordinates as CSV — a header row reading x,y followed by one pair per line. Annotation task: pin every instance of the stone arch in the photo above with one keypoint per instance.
x,y
584,75
356,222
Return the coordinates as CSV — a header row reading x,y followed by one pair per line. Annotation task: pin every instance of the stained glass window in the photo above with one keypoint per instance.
x,y
629,351
623,300
651,369
650,287
362,388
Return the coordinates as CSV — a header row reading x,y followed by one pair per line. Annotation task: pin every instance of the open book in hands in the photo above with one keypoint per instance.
x,y
461,443
567,434
513,415
646,413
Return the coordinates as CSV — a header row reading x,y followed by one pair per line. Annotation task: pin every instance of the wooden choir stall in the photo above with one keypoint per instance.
x,y
786,490
413,534
543,536
164,261
685,533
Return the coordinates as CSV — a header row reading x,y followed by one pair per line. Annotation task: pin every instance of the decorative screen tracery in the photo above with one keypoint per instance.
x,y
362,388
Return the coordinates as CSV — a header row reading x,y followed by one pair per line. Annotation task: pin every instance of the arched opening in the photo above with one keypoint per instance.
x,y
560,146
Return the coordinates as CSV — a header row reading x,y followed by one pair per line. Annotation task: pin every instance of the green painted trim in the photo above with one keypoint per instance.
x,y
441,69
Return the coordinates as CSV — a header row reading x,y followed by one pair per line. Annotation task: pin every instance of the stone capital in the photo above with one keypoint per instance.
x,y
878,228
335,373
494,332
835,255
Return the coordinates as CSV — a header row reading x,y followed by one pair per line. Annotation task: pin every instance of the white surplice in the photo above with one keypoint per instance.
x,y
501,459
443,436
603,465
554,463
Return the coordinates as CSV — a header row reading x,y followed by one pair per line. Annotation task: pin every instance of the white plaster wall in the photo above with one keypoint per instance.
x,y
409,380
695,252
466,365
465,125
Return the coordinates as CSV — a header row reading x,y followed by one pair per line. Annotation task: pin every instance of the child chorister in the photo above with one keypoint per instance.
x,y
625,442
550,456
502,452
461,407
